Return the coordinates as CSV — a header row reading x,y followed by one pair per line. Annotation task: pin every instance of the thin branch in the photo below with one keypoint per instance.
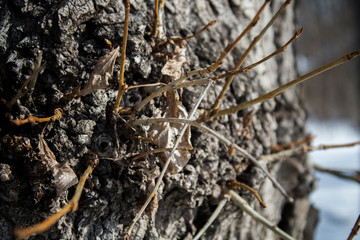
x,y
243,57
145,85
235,185
168,87
224,140
290,152
202,71
134,157
22,233
280,147
29,83
349,175
179,39
156,19
281,89
122,59
240,202
324,147
159,91
247,120
232,45
242,70
253,160
192,83
355,229
248,68
212,218
282,154
160,22
179,83
158,150
32,119
162,174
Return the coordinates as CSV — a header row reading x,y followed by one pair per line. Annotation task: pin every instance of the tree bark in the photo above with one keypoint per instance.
x,y
71,35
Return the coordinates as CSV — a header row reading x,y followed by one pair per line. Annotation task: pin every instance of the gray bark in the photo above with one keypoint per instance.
x,y
71,34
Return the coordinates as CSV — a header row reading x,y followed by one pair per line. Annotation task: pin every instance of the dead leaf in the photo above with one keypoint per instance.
x,y
64,176
165,134
173,67
102,72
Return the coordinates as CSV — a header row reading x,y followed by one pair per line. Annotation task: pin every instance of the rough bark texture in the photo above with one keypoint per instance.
x,y
71,35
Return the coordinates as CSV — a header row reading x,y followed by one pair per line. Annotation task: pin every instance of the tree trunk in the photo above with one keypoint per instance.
x,y
71,35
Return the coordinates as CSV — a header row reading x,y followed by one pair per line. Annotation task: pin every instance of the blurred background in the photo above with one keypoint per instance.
x,y
332,29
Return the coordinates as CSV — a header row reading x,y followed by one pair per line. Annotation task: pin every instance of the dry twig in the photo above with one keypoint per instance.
x,y
290,152
29,83
232,45
239,201
122,59
180,84
165,167
202,71
235,185
281,89
349,175
212,218
158,150
156,19
221,138
355,229
280,147
240,62
178,40
248,68
22,233
32,119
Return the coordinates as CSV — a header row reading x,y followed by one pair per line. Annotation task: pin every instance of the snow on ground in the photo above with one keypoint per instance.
x,y
337,200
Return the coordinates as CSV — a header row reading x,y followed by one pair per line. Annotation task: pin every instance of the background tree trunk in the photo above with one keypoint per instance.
x,y
71,35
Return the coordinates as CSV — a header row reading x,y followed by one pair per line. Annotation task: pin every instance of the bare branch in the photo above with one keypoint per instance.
x,y
22,233
202,71
349,175
154,32
122,60
232,45
32,119
161,32
280,147
212,218
248,68
234,72
224,140
239,201
235,185
165,167
195,34
281,89
290,152
243,57
355,229
29,83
